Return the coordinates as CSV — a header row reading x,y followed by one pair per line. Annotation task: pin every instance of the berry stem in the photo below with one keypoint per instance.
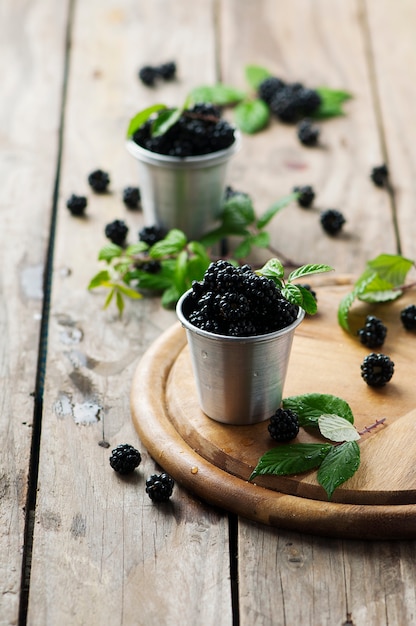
x,y
367,429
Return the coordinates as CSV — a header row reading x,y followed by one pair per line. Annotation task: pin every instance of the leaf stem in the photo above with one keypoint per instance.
x,y
367,429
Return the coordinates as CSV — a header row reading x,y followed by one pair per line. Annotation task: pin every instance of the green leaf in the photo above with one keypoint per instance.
x,y
243,249
130,293
110,252
216,235
311,406
196,268
261,240
219,94
274,209
252,116
109,297
170,297
293,294
343,310
337,428
255,75
173,243
120,302
309,303
293,458
137,248
338,466
307,270
164,121
238,213
100,279
180,271
140,118
272,269
331,102
391,267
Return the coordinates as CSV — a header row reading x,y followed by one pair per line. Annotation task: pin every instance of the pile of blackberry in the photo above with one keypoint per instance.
x,y
377,369
199,130
234,301
290,102
373,332
283,425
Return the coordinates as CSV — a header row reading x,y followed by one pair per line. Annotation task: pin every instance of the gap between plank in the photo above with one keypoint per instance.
x,y
233,547
43,346
369,51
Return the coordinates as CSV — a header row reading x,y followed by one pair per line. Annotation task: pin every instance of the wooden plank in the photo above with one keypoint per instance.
x,y
31,58
392,48
318,43
101,548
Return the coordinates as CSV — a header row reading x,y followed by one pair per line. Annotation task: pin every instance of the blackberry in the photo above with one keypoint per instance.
x,y
236,301
151,267
285,104
76,204
408,317
167,71
309,100
99,181
232,193
379,175
131,197
377,369
373,333
159,487
308,133
284,425
116,232
269,87
332,221
148,75
306,196
151,234
124,459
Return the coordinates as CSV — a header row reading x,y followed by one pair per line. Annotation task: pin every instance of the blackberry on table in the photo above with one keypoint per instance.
x,y
373,333
408,317
99,181
379,175
377,369
76,204
167,71
285,103
116,232
159,487
308,133
131,197
309,100
148,75
151,234
306,196
269,87
125,458
332,221
284,425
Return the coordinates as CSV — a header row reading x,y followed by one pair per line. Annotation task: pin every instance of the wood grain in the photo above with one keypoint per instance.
x,y
31,57
102,552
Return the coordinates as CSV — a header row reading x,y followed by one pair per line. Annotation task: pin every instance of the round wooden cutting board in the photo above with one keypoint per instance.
x,y
214,460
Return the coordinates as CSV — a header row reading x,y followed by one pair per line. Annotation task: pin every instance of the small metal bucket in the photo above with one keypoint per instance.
x,y
185,193
239,380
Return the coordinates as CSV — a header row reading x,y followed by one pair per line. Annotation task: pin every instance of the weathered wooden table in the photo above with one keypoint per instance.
x,y
78,545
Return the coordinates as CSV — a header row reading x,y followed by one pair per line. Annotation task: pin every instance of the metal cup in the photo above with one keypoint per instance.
x,y
185,193
239,380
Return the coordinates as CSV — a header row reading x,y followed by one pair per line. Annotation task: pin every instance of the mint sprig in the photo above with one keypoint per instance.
x,y
383,280
337,461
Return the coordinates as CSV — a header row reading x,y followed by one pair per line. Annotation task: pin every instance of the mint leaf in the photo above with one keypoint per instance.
x,y
243,249
309,303
338,466
343,310
136,248
131,293
292,458
109,252
379,290
311,406
391,267
331,102
307,270
274,209
164,121
119,303
100,280
219,94
272,269
251,116
109,297
173,243
140,118
170,297
255,75
293,294
238,212
337,428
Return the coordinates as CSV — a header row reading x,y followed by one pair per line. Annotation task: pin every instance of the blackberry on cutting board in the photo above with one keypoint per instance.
x,y
377,369
373,332
159,487
125,458
284,425
76,205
